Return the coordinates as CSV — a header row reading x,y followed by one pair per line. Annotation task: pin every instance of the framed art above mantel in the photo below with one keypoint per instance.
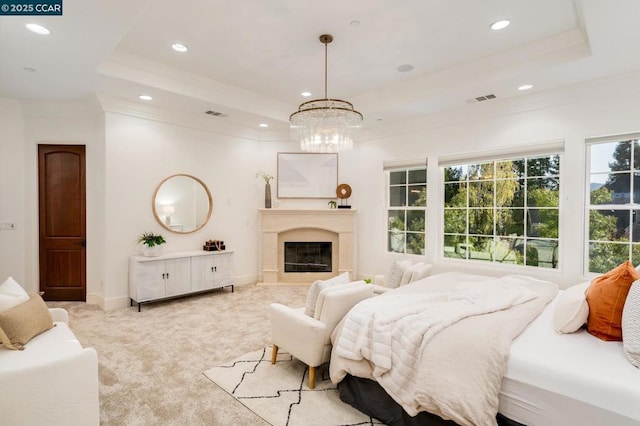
x,y
307,175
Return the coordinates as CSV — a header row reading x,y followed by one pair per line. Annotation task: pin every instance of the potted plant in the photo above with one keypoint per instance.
x,y
151,243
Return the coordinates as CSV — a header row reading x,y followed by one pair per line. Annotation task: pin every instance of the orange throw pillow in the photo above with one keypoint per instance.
x,y
606,296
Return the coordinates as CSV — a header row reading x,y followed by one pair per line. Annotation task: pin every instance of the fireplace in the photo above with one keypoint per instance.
x,y
309,257
310,232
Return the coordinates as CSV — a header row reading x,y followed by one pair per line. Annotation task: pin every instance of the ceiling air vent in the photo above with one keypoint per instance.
x,y
215,113
485,98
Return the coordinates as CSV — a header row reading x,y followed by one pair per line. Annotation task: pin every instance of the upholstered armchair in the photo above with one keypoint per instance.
x,y
308,338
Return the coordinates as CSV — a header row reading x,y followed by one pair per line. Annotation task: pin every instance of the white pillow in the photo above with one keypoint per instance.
x,y
396,273
420,271
408,273
631,324
11,294
571,310
318,286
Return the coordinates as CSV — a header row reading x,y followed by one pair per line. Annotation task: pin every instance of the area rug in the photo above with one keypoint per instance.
x,y
280,394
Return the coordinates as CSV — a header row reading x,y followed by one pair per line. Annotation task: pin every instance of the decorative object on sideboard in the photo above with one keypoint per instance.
x,y
332,204
325,125
214,245
151,243
343,191
267,188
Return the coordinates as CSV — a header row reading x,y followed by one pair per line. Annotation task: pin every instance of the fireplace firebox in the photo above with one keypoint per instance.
x,y
307,257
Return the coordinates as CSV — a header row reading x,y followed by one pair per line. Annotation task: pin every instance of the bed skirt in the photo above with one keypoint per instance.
x,y
370,398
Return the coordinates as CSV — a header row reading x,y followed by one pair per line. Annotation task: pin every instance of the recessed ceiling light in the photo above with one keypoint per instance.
x,y
405,68
500,25
179,47
145,97
263,125
305,94
525,87
38,29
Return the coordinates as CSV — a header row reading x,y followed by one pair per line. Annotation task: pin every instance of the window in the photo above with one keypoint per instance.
x,y
503,211
613,204
406,214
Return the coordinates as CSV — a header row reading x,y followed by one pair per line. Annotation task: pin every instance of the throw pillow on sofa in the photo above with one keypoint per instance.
x,y
23,322
318,286
11,294
606,296
396,273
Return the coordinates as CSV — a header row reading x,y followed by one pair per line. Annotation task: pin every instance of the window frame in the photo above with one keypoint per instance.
x,y
557,149
407,168
629,207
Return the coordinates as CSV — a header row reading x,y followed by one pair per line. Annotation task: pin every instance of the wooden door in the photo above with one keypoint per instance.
x,y
62,208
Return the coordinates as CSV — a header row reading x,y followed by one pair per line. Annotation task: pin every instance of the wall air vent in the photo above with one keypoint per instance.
x,y
215,113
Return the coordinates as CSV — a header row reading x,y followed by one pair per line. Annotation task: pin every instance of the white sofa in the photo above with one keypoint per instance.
x,y
53,381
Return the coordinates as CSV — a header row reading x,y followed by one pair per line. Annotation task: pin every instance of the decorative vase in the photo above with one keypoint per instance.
x,y
267,195
151,251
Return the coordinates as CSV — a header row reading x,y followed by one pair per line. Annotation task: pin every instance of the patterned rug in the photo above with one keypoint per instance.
x,y
280,394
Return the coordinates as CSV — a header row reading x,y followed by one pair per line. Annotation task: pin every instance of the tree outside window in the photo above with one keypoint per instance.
x,y
406,214
503,211
613,204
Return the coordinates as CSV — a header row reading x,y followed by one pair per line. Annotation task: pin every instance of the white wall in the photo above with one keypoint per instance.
x,y
128,156
12,192
604,107
65,123
140,153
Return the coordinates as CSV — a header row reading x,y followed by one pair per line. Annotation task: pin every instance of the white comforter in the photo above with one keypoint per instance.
x,y
398,335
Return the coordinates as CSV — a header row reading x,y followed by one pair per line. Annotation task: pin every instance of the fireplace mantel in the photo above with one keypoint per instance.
x,y
277,221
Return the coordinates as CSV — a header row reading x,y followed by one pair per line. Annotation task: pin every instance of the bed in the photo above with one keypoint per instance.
x,y
549,379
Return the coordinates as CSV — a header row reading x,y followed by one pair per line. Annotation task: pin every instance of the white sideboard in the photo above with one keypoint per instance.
x,y
178,274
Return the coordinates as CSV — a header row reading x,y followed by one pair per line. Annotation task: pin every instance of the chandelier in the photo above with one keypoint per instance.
x,y
325,125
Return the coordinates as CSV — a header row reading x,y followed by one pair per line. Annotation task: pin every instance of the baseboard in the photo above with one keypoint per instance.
x,y
116,303
95,299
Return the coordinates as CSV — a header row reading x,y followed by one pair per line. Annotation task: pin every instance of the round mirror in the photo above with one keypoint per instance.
x,y
182,203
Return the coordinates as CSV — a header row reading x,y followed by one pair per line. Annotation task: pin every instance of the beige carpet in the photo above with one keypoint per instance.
x,y
151,363
279,393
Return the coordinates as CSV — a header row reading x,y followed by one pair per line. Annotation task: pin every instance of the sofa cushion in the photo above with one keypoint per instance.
x,y
21,323
417,272
11,294
571,310
408,273
606,296
317,287
397,273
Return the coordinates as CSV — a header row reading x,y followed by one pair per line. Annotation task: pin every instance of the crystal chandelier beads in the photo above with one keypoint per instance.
x,y
325,125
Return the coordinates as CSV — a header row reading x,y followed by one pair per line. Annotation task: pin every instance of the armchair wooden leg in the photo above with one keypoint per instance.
x,y
312,377
274,354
